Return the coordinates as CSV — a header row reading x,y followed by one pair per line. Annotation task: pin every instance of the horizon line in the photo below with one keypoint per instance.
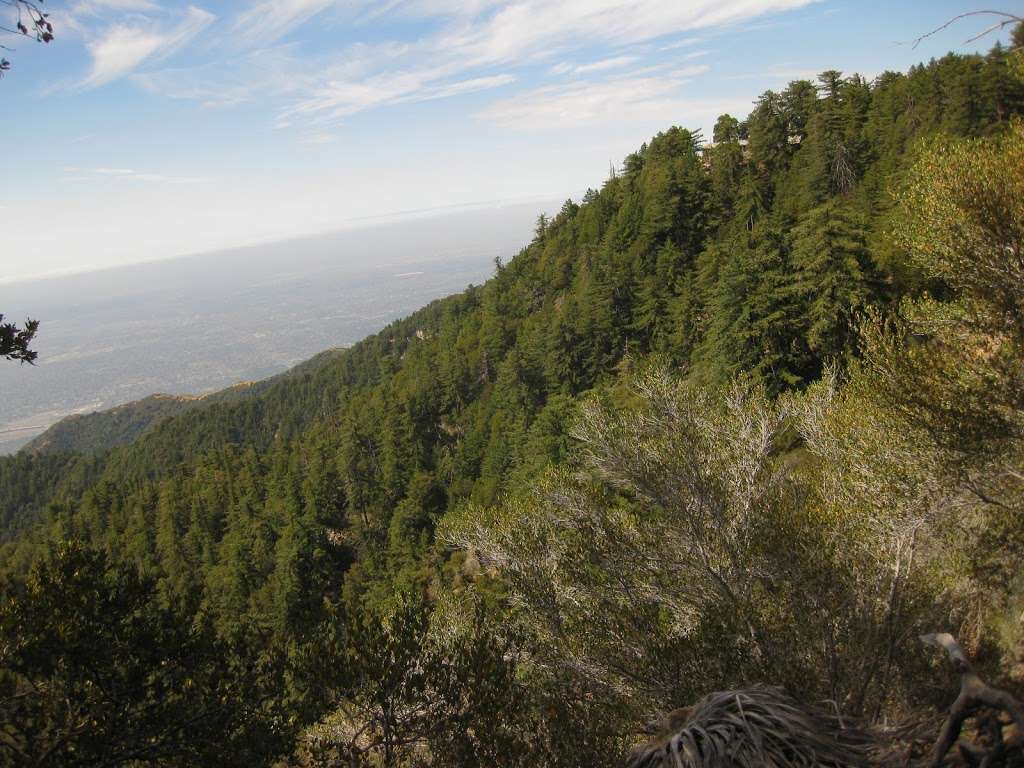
x,y
353,223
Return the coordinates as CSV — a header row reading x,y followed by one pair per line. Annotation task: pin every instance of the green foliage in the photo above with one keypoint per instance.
x,y
405,694
93,672
832,265
964,224
28,483
949,374
14,341
686,550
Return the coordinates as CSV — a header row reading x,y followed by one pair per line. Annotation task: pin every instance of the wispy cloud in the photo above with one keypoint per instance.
x,y
123,47
464,47
265,73
616,62
422,9
458,87
683,43
623,99
532,28
93,7
605,64
128,174
340,99
270,20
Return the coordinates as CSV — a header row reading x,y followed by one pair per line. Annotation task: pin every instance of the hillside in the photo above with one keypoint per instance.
x,y
102,431
703,258
314,500
198,324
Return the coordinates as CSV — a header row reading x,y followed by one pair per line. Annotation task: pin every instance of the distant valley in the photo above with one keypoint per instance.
x,y
197,324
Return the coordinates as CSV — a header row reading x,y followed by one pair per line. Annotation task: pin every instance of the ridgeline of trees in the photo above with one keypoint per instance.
x,y
749,413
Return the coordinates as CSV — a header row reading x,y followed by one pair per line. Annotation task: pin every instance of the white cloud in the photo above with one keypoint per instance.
x,y
512,33
270,20
339,99
93,7
129,174
420,9
530,28
462,86
118,52
266,73
465,44
620,100
681,43
124,47
616,62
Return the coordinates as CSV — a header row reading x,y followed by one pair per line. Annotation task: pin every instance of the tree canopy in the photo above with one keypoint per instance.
x,y
15,341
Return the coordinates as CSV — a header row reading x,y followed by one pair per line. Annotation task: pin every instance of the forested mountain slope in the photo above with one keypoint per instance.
x,y
747,255
102,431
747,261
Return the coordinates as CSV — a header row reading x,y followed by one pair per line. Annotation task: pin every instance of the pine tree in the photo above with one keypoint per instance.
x,y
769,144
753,326
831,264
725,159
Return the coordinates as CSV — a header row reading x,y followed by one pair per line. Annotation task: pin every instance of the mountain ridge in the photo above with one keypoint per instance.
x,y
104,430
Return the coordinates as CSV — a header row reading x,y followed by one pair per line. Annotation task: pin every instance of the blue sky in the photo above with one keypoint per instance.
x,y
150,129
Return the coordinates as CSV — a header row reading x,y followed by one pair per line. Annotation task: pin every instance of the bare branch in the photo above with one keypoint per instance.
x,y
1007,20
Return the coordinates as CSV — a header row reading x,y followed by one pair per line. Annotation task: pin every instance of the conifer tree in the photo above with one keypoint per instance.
x,y
830,261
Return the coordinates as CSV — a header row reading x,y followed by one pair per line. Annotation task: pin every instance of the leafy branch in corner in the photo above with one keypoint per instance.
x,y
14,341
29,20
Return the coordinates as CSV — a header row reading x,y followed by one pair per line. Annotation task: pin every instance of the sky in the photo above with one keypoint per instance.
x,y
152,129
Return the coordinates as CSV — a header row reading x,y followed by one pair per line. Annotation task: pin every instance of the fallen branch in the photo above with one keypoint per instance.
x,y
975,694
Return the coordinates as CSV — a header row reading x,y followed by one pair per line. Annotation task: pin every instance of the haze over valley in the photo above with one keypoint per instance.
x,y
200,323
